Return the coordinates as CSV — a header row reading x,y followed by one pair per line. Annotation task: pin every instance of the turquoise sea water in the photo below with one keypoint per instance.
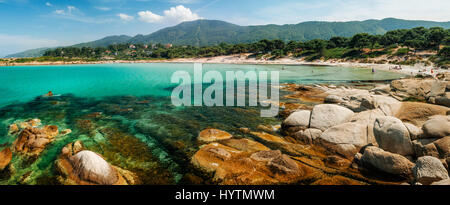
x,y
138,128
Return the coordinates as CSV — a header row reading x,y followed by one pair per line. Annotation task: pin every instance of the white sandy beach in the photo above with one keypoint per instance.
x,y
243,59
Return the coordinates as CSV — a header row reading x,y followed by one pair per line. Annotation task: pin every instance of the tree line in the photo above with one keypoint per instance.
x,y
415,39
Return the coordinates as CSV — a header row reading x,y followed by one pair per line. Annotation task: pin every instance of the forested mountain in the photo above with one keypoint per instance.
x,y
213,32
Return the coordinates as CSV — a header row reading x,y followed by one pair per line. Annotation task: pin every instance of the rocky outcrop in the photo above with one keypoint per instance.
x,y
213,135
77,166
233,167
418,88
32,141
326,116
392,135
5,158
374,157
428,170
437,127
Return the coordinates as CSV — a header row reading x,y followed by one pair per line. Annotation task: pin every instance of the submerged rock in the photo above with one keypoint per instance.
x,y
325,116
428,170
32,141
5,158
392,135
387,162
212,135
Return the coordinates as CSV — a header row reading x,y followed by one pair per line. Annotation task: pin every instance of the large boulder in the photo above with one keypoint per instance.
x,y
437,127
5,158
212,135
428,170
392,135
387,162
297,121
345,139
325,116
77,166
91,167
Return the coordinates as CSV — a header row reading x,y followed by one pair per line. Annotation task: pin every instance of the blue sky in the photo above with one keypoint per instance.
x,y
27,24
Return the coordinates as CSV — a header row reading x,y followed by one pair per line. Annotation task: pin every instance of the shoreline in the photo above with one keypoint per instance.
x,y
242,59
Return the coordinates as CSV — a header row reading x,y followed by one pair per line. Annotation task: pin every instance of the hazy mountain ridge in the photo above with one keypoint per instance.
x,y
211,32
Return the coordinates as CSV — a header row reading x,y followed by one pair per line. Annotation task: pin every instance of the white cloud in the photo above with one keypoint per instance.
x,y
149,17
103,8
125,17
48,4
68,12
59,11
172,16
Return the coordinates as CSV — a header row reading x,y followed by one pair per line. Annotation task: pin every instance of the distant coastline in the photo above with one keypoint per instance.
x,y
244,59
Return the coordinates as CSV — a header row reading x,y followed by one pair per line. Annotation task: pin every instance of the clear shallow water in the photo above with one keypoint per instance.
x,y
138,128
20,84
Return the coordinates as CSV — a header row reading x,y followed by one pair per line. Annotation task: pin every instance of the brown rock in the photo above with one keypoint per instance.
x,y
13,128
31,141
212,135
66,131
418,113
5,158
284,164
443,147
241,169
266,156
245,145
51,130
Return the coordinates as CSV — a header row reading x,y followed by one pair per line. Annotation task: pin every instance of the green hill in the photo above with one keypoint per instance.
x,y
212,32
